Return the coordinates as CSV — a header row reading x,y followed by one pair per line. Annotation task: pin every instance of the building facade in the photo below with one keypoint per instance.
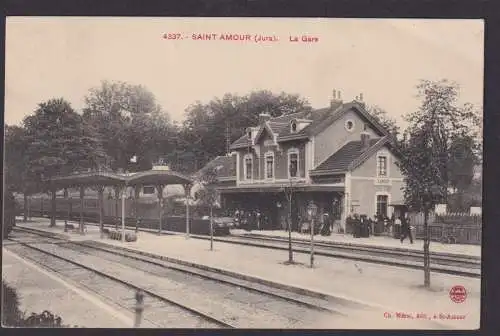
x,y
340,157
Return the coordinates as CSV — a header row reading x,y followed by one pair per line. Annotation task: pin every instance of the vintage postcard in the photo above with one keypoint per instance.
x,y
242,173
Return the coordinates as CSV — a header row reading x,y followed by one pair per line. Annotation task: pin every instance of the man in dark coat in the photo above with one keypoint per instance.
x,y
406,229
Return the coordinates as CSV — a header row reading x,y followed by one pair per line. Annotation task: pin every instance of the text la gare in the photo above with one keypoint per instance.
x,y
303,38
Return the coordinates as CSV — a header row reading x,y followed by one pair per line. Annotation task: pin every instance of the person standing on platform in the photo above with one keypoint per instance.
x,y
397,227
325,228
258,219
356,224
406,229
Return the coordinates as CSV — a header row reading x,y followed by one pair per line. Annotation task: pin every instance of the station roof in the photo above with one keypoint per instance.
x,y
278,188
87,179
150,177
158,177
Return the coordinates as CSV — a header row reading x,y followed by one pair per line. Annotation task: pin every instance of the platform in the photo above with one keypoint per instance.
x,y
387,289
375,241
39,290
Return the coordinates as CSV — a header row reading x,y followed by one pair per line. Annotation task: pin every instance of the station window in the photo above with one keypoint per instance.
x,y
381,166
269,166
148,190
248,167
293,163
382,204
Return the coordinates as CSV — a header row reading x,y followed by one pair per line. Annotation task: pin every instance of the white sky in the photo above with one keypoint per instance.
x,y
51,57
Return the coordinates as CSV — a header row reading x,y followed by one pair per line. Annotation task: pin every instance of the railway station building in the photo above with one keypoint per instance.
x,y
340,157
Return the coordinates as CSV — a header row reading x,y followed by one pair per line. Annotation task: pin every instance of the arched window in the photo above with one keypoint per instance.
x,y
293,163
293,126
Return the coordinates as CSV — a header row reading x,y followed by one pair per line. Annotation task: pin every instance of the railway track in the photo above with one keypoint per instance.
x,y
468,266
160,311
215,300
459,265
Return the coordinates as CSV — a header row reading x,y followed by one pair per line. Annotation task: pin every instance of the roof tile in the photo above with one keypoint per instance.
x,y
341,159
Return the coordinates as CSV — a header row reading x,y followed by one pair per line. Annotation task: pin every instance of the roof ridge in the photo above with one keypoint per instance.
x,y
287,115
367,153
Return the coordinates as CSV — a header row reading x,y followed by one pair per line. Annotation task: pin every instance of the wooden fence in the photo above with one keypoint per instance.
x,y
458,228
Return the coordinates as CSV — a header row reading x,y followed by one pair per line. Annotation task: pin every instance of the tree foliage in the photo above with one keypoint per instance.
x,y
383,118
437,131
461,163
15,147
129,124
208,195
58,142
207,127
437,145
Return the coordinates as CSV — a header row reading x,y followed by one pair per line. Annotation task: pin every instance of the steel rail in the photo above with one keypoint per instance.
x,y
205,274
205,316
391,258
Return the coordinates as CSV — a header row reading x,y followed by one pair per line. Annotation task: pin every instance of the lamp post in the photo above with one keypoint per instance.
x,y
67,203
124,190
312,209
187,189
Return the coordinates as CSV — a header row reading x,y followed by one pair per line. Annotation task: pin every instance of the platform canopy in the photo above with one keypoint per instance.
x,y
150,177
153,177
279,188
87,179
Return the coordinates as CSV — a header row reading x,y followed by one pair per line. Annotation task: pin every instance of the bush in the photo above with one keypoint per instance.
x,y
12,316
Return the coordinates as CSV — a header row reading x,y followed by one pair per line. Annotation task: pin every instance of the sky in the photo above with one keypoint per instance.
x,y
53,57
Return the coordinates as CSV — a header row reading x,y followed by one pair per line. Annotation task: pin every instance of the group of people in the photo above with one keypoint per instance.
x,y
362,226
402,228
250,219
399,227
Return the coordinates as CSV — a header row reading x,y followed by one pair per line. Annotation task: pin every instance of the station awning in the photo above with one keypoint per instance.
x,y
150,177
154,177
279,188
87,179
398,203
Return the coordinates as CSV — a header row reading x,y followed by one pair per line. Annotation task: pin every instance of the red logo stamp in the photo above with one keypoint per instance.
x,y
458,294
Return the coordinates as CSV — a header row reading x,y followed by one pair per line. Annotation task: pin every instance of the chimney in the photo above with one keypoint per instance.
x,y
359,100
336,99
263,117
365,140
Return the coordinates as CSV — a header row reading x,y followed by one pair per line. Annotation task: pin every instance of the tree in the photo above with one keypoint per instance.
x,y
382,117
209,128
208,195
16,174
461,168
129,123
425,151
58,143
15,147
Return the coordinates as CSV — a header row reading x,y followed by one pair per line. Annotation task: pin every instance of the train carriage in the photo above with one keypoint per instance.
x,y
145,209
